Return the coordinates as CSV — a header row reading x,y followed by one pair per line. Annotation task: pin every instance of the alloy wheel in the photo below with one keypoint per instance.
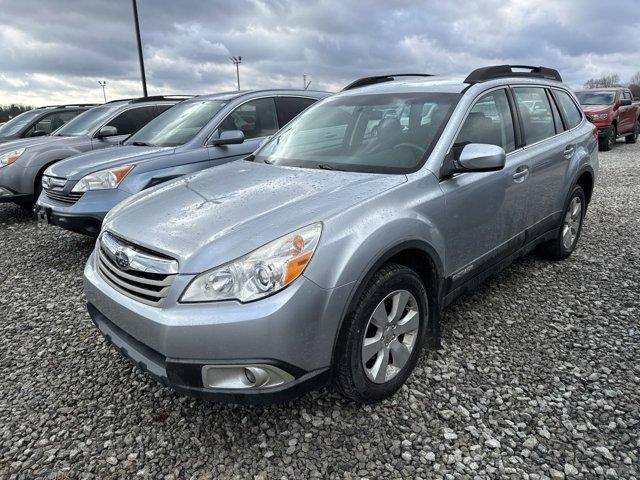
x,y
390,336
571,225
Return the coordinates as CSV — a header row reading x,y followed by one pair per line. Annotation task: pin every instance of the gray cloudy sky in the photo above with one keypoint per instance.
x,y
56,50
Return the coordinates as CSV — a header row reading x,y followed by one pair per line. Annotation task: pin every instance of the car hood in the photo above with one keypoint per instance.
x,y
212,217
592,109
6,139
78,166
38,142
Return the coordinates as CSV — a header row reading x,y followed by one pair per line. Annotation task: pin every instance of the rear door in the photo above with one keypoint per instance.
x,y
547,150
257,119
487,210
627,114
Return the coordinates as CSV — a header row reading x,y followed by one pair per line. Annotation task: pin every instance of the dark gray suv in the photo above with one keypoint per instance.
x,y
40,121
22,162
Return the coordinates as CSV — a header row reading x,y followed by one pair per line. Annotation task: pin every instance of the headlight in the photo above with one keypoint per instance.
x,y
258,274
599,116
10,157
103,179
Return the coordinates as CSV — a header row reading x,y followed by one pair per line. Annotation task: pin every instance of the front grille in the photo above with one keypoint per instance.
x,y
54,187
71,197
146,286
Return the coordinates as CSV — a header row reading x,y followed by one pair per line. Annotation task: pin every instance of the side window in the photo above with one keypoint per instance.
x,y
571,112
50,123
489,121
255,119
557,119
535,111
289,108
132,120
163,108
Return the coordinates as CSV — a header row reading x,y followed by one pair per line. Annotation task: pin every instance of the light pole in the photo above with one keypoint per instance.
x,y
140,59
103,84
237,61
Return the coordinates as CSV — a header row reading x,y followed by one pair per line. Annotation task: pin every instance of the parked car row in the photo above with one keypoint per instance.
x,y
614,112
40,121
253,246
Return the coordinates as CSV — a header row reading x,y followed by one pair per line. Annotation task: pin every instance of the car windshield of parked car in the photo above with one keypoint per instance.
x,y
596,98
379,133
87,122
178,125
16,124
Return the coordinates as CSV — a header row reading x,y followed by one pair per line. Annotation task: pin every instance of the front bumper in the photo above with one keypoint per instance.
x,y
85,216
293,330
9,196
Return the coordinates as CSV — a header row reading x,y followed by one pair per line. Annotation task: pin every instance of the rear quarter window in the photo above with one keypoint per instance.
x,y
572,114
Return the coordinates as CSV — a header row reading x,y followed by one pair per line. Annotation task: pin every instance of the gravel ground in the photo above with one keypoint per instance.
x,y
538,378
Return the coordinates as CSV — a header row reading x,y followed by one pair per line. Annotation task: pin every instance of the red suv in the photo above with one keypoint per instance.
x,y
613,111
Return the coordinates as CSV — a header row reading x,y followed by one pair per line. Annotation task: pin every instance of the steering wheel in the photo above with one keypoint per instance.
x,y
419,150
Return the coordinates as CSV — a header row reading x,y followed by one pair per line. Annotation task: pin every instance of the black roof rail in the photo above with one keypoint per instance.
x,y
156,98
503,71
363,82
120,100
71,105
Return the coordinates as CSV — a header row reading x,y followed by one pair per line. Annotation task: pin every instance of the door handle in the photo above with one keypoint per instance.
x,y
521,174
568,151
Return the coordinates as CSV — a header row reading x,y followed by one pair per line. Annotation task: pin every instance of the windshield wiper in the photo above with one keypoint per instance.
x,y
141,144
326,166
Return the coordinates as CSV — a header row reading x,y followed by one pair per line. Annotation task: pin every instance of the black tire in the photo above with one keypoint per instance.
x,y
350,378
633,138
606,143
556,249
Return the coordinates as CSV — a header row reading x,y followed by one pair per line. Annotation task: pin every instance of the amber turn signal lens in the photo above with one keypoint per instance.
x,y
296,266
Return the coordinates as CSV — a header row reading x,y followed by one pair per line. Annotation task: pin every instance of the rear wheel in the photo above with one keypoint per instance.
x,y
566,241
606,143
382,340
633,137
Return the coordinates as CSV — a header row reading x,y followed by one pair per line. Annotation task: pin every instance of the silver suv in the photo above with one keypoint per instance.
x,y
328,255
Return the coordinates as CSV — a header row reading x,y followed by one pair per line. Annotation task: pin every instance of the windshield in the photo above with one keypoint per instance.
x,y
16,124
383,133
178,125
87,122
596,98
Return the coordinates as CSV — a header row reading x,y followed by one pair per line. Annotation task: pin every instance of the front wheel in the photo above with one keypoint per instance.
x,y
633,137
606,143
381,342
566,241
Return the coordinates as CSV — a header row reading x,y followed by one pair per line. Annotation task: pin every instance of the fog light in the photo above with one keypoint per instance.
x,y
251,378
243,376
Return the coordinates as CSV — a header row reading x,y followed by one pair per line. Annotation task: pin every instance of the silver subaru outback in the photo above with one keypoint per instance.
x,y
328,255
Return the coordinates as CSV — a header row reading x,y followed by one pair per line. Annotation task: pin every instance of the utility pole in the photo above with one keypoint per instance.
x,y
237,61
305,84
137,25
103,84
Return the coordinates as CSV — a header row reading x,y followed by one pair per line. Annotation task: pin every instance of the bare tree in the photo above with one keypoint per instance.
x,y
606,81
634,85
7,112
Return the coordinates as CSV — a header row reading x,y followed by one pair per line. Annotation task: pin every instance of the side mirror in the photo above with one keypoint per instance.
x,y
107,131
625,102
482,157
228,137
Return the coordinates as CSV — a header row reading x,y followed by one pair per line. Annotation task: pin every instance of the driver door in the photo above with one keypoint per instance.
x,y
256,119
486,210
